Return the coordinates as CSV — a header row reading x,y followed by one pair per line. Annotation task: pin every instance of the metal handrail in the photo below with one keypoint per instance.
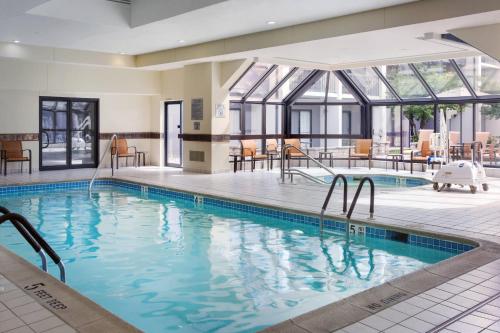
x,y
358,191
114,137
328,196
22,222
288,147
316,180
29,239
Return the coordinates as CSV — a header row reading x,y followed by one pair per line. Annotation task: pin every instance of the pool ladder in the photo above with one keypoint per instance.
x,y
34,239
354,200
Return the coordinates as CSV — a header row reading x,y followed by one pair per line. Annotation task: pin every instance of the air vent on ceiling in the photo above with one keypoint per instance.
x,y
125,2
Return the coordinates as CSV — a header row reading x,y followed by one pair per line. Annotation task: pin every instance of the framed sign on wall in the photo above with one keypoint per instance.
x,y
197,109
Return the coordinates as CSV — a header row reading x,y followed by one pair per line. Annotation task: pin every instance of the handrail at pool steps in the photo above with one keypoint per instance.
x,y
329,195
114,138
358,191
291,172
36,241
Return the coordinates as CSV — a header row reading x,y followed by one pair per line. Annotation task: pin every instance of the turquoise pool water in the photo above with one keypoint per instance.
x,y
170,265
385,181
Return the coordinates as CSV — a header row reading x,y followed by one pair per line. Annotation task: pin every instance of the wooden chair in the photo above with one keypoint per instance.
x,y
12,151
293,152
421,156
272,151
249,149
123,151
363,149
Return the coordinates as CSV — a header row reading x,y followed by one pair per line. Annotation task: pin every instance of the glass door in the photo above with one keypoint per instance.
x,y
83,133
68,133
173,128
53,134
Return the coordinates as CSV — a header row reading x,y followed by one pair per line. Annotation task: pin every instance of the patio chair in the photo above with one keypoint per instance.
x,y
294,151
12,151
123,151
454,145
249,149
421,156
272,151
363,149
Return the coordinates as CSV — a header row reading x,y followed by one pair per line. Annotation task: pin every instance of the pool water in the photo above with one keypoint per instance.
x,y
170,265
384,181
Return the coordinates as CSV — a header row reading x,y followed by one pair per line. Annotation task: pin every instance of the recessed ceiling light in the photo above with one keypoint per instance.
x,y
181,41
271,22
16,41
122,53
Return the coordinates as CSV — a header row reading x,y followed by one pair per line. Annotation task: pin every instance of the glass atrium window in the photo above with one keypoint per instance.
x,y
317,92
270,83
337,92
386,124
249,79
253,119
235,118
442,78
290,84
404,81
273,118
488,132
370,84
483,74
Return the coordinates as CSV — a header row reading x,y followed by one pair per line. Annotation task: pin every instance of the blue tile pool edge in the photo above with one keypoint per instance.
x,y
370,231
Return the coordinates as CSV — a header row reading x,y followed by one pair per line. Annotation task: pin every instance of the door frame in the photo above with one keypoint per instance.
x,y
69,146
165,140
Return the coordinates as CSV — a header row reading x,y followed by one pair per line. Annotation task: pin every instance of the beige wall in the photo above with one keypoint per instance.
x,y
210,81
130,101
128,97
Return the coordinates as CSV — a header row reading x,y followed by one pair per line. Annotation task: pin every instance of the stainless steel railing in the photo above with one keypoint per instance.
x,y
329,195
358,191
34,239
291,171
113,138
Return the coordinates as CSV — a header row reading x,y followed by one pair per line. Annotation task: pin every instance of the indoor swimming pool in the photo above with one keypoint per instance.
x,y
173,262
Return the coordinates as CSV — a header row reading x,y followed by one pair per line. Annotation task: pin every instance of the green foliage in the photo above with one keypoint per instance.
x,y
421,113
491,111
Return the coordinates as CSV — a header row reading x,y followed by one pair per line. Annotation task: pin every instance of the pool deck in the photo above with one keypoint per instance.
x,y
457,295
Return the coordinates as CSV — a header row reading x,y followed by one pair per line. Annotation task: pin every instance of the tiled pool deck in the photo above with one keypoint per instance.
x,y
453,296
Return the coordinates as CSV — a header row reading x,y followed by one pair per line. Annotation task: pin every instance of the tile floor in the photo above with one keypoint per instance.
x,y
466,304
20,313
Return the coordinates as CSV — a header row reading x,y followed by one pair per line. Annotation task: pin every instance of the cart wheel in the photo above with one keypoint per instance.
x,y
473,189
435,186
448,185
485,187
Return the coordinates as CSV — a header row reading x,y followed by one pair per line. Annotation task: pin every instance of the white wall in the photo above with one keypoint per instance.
x,y
127,97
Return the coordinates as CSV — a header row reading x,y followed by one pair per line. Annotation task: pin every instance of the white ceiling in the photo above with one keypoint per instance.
x,y
151,25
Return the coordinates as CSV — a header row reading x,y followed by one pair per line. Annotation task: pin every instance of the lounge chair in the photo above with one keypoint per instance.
x,y
123,152
12,151
249,149
363,149
293,152
421,156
